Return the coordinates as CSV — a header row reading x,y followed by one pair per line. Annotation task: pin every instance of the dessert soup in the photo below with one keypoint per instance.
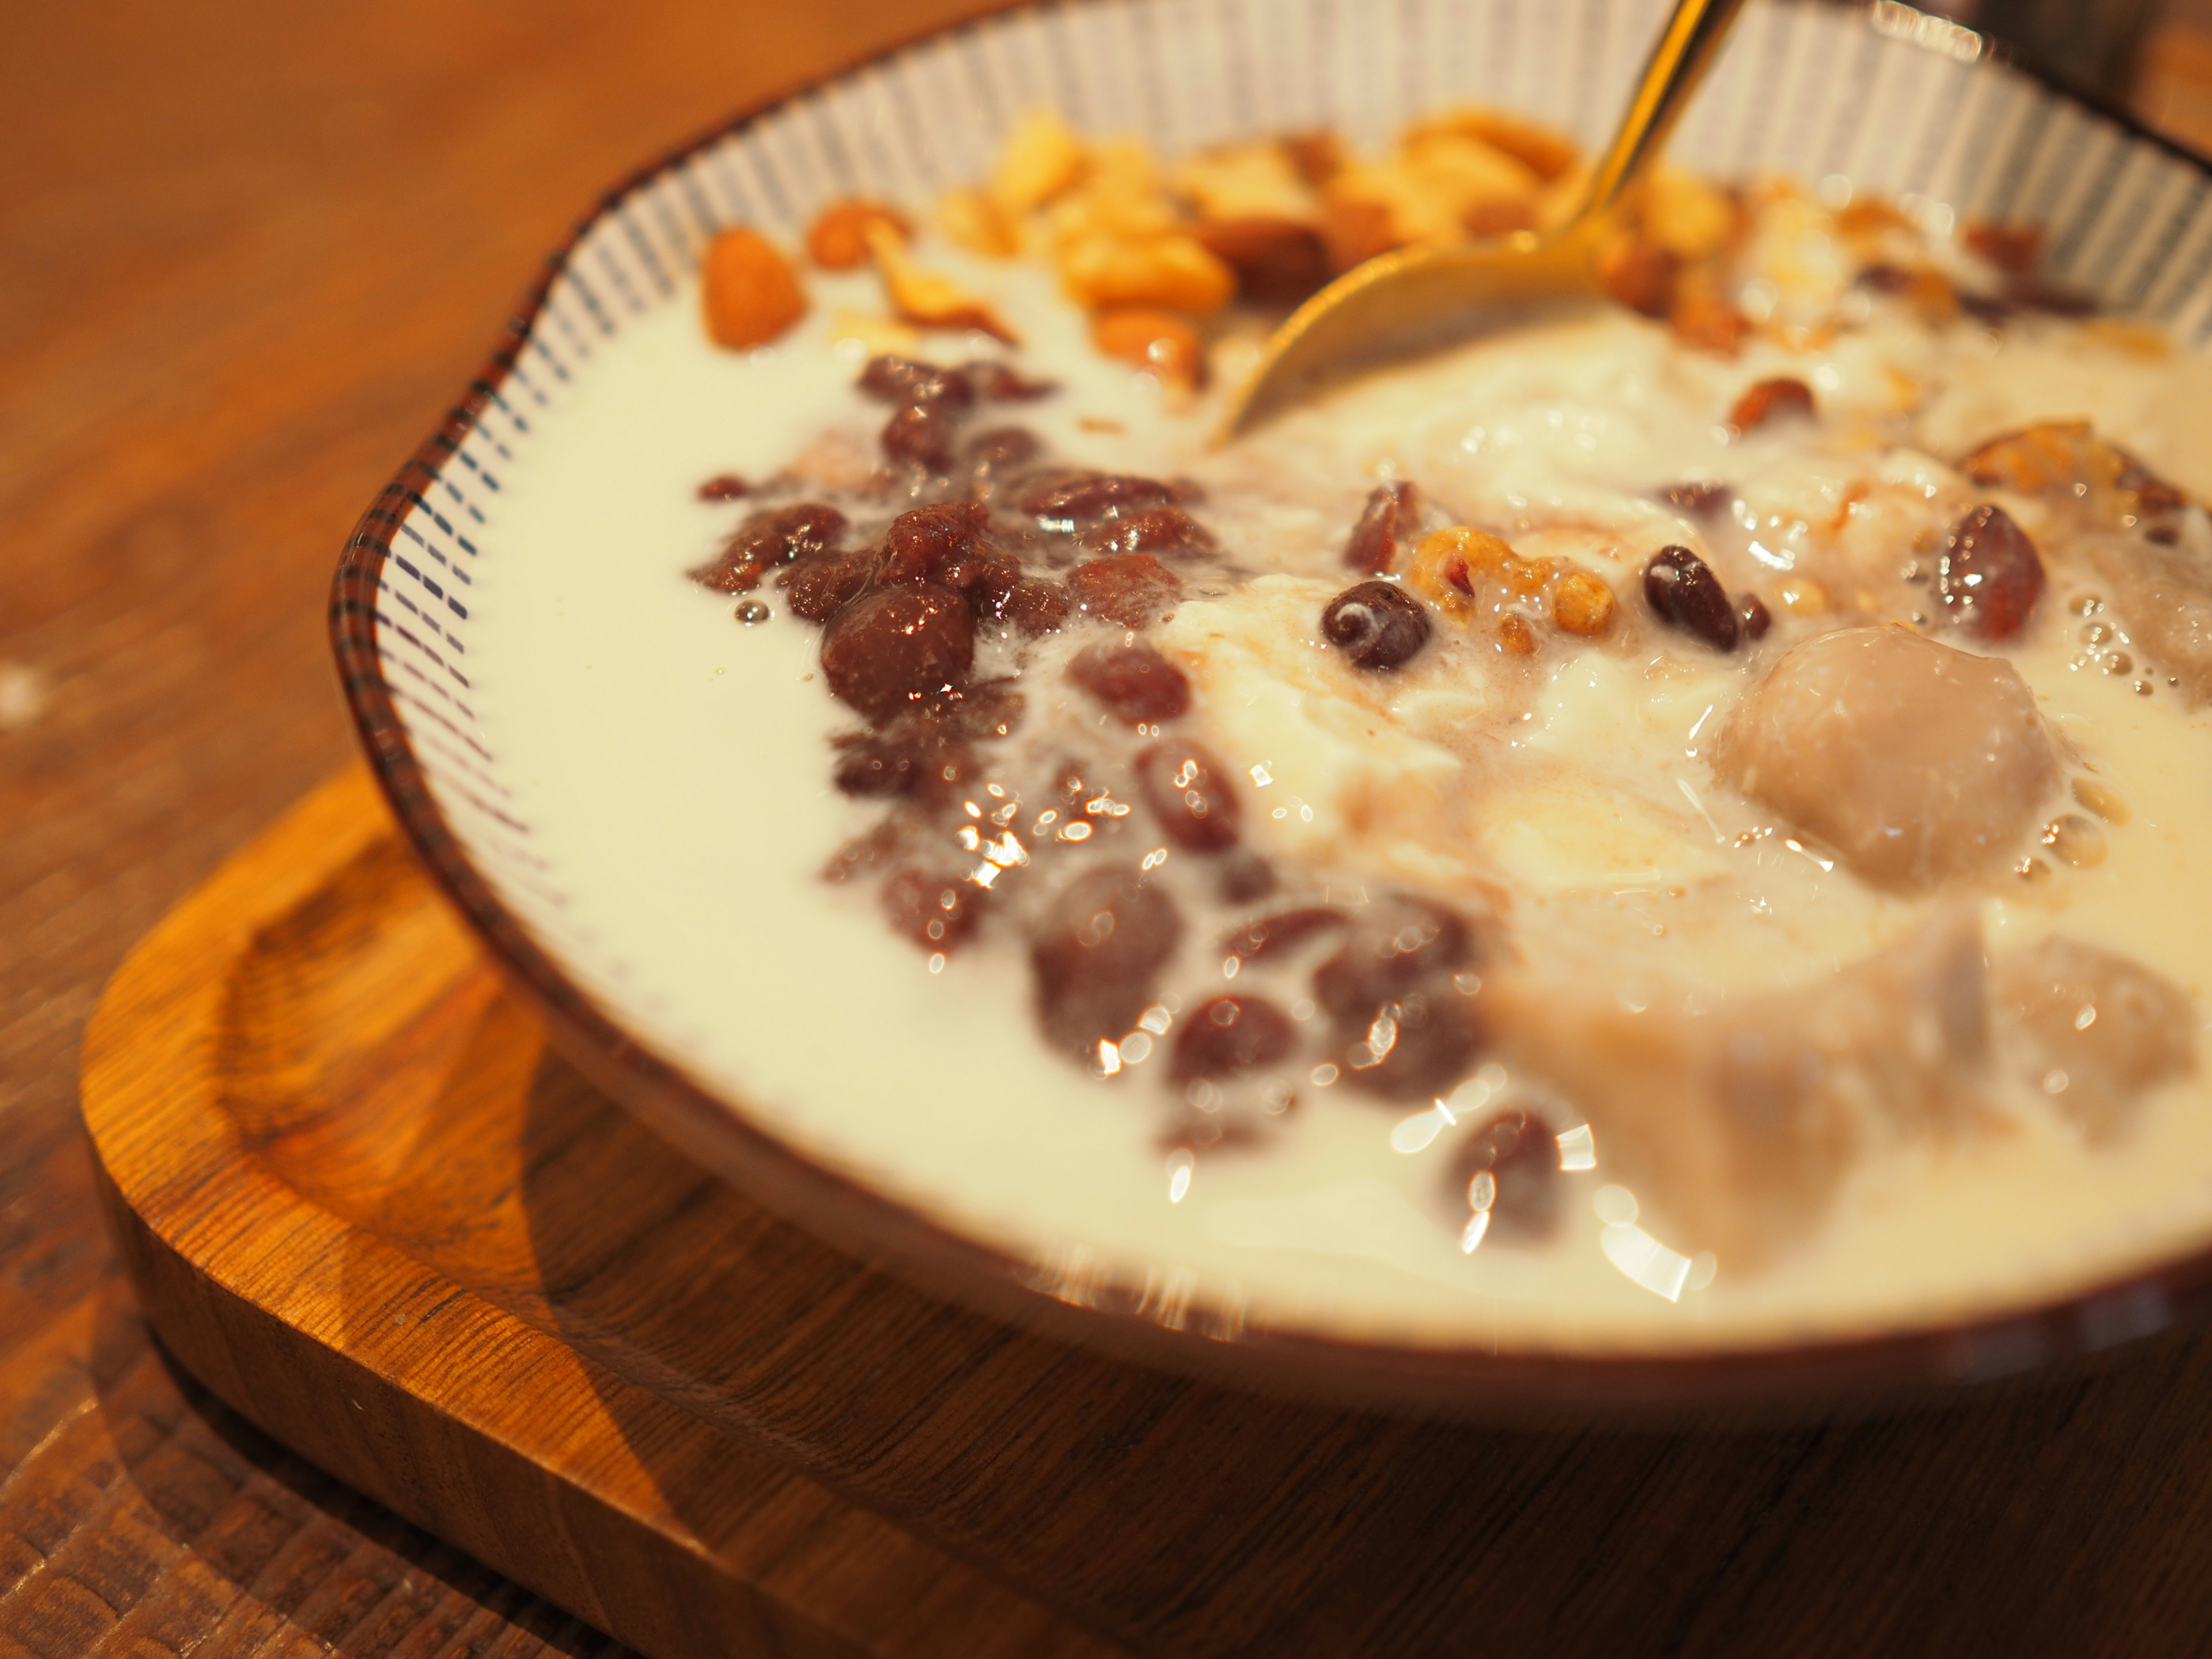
x,y
1685,820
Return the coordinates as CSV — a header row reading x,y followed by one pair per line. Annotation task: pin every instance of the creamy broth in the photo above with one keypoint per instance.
x,y
676,765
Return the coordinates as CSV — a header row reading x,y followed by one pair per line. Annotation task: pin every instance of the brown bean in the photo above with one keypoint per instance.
x,y
1097,953
1131,589
1521,1156
1134,680
1190,792
1388,526
937,912
1229,1036
894,646
1989,575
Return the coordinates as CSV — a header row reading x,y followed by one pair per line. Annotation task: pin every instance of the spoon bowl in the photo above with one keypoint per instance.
x,y
1414,298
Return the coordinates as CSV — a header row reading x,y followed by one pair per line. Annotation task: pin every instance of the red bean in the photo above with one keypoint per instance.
x,y
1751,610
937,912
1245,877
1418,1044
816,588
1388,526
722,487
1989,576
1134,680
998,453
1521,1158
1168,530
922,542
1699,500
1001,383
912,757
766,540
1683,593
893,380
1131,589
1284,931
1397,945
896,646
1376,625
1031,604
1190,792
1229,1036
1065,499
1097,954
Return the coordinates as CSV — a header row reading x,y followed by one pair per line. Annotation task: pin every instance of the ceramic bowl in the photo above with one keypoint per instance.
x,y
1899,103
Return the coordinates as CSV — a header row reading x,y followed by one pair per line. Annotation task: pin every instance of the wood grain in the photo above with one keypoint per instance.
x,y
248,254
367,1204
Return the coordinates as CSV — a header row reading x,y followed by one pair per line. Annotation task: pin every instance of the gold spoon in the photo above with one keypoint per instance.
x,y
1412,297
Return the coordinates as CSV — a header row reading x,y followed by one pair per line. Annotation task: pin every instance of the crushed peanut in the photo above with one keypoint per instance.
x,y
929,299
1583,603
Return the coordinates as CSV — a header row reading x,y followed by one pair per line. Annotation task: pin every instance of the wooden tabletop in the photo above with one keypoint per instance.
x,y
247,254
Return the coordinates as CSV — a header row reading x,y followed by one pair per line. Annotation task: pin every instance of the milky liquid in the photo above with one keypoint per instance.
x,y
675,766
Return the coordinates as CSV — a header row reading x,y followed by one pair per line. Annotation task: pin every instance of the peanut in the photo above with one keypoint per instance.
x,y
929,299
969,219
1355,232
1547,153
1277,261
1041,157
1583,603
1247,181
1160,341
838,239
1171,273
750,291
1515,637
1685,216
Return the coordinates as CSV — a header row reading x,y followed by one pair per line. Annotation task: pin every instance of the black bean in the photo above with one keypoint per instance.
x,y
1377,626
1683,593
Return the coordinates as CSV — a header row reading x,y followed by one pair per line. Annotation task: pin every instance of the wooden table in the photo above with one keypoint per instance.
x,y
249,251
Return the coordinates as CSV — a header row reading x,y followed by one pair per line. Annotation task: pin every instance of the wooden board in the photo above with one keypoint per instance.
x,y
362,1201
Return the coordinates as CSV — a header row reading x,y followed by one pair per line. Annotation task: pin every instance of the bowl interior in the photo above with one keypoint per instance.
x,y
1879,98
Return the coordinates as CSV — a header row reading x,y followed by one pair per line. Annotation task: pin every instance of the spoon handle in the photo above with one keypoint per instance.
x,y
1676,68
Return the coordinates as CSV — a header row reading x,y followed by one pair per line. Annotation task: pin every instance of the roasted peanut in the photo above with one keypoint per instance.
x,y
1582,604
1783,398
838,239
750,291
971,219
1172,273
1160,341
1247,181
1041,157
929,299
1547,153
1277,261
